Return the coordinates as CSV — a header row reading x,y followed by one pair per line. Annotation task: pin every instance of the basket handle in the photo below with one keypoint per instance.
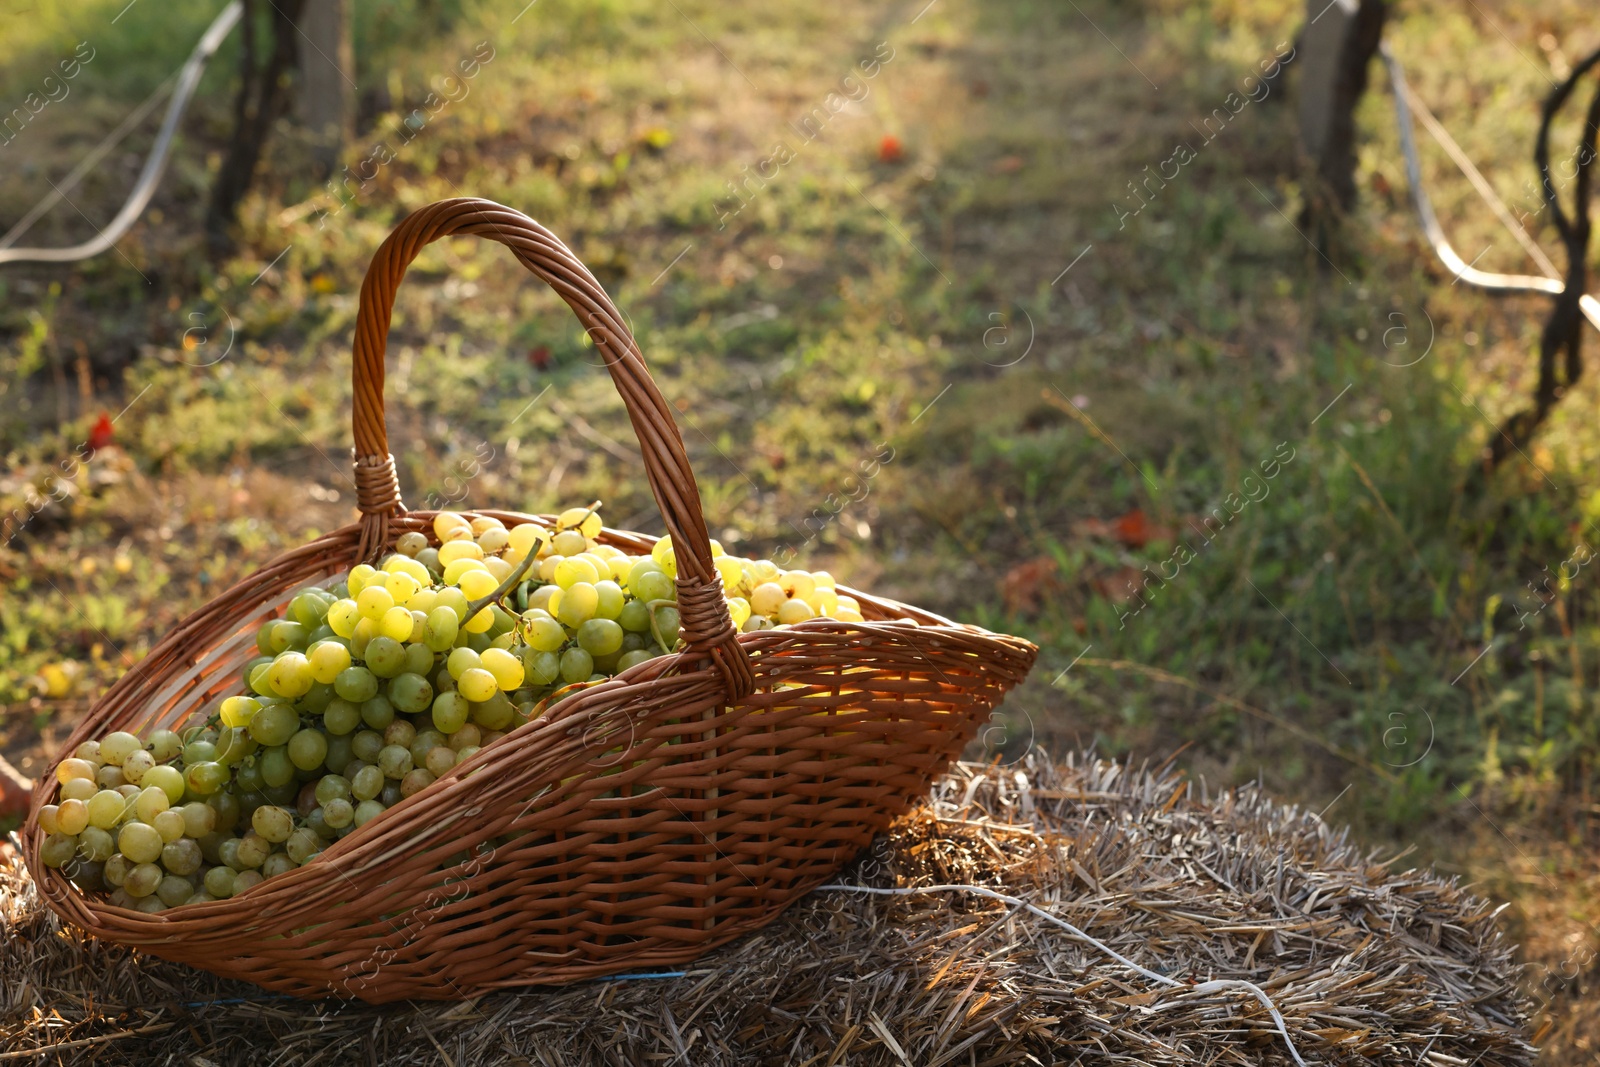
x,y
707,627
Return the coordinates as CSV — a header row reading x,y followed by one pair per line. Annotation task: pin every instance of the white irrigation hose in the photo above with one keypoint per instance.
x,y
1524,283
1220,985
150,176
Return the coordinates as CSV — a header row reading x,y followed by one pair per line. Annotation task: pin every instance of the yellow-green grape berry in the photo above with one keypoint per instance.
x,y
568,543
246,880
411,693
307,749
396,624
542,668
505,667
219,882
181,856
495,713
89,750
420,658
109,777
494,540
96,844
140,842
385,656
47,819
400,732
584,520
164,745
237,710
167,779
450,711
476,684
277,864
343,616
667,623
327,660
273,823
439,634
152,801
115,748
289,676
142,880
169,824
338,813
372,602
739,611
205,778
105,809
301,845
634,617
665,557
576,665
576,604
341,716
366,811
410,543
274,768
439,760
134,766
394,761
575,569
610,599
462,660
356,684
793,611
253,849
632,659
415,781
116,870
543,633
731,572
767,598
367,782
71,817
366,744
274,724
823,601
174,890
199,819
798,584
402,586
58,850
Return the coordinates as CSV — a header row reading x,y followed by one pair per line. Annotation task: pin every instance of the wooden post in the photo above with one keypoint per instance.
x,y
1339,39
327,81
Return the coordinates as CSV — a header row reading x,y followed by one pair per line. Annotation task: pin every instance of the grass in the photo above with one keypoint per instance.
x,y
1357,629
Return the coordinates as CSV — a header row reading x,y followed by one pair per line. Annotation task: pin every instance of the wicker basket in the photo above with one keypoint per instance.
x,y
636,823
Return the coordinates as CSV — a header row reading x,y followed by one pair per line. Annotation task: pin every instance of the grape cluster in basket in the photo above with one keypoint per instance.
x,y
369,689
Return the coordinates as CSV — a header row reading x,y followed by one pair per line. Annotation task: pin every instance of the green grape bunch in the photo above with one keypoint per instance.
x,y
372,687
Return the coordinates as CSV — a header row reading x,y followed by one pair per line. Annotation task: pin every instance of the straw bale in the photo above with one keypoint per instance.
x,y
1368,965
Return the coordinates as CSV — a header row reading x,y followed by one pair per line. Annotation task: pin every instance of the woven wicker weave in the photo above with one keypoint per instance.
x,y
636,823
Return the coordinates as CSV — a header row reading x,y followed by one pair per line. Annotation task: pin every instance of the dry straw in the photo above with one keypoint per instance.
x,y
1368,964
637,823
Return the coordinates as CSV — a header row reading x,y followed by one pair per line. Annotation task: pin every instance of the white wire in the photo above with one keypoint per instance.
x,y
150,176
1217,986
1525,283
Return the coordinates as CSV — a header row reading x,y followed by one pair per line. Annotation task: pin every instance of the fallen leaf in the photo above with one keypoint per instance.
x,y
101,435
1027,584
1007,165
890,150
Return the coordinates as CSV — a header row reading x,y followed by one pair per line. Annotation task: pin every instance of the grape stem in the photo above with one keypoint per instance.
x,y
506,586
655,631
